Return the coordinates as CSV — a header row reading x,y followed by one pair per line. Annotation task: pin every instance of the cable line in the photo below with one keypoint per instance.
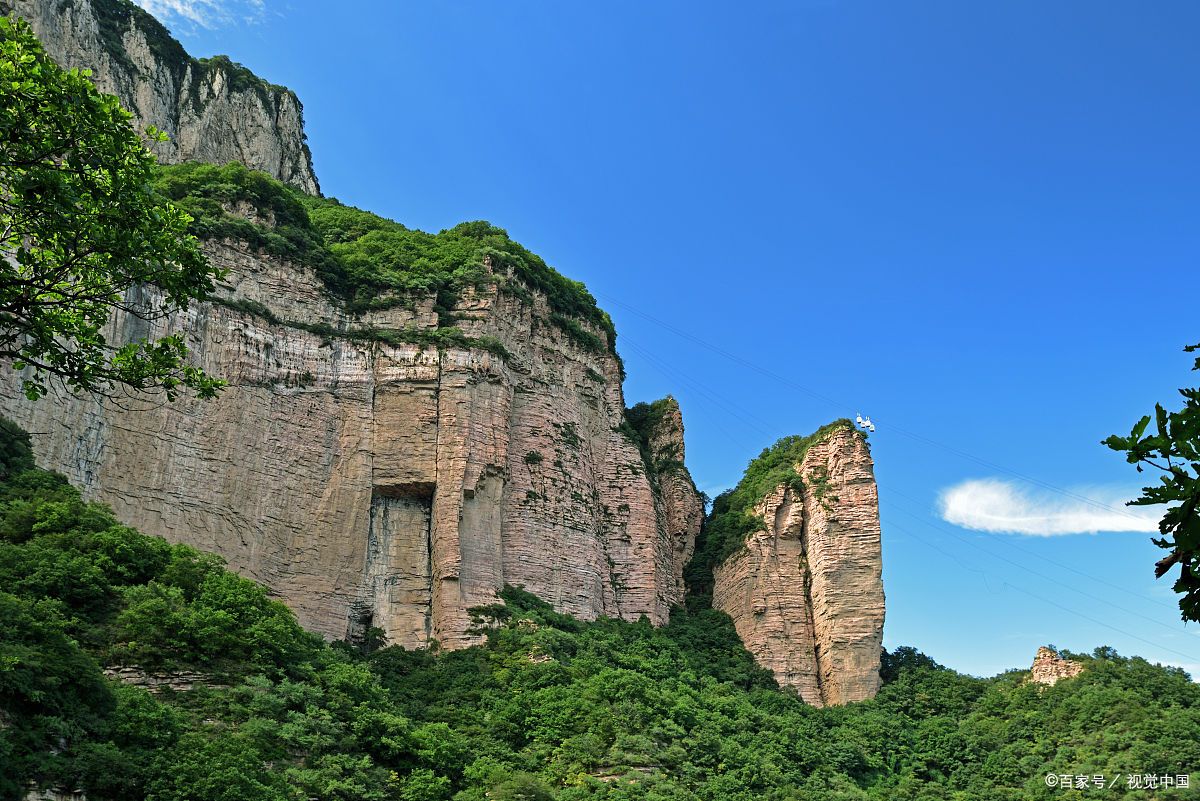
x,y
1044,600
844,407
998,538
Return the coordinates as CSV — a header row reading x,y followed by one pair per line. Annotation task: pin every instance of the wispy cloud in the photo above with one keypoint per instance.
x,y
205,13
1004,507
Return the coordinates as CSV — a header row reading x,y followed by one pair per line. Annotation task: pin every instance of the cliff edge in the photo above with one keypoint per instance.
x,y
212,110
413,421
392,461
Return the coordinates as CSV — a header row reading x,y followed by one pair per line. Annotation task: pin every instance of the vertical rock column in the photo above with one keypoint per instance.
x,y
841,526
473,411
806,591
682,508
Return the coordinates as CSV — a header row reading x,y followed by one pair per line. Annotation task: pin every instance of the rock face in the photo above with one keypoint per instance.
x,y
156,682
806,593
50,794
1049,667
389,486
683,508
213,110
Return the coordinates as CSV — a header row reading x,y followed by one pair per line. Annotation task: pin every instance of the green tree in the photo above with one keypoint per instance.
x,y
16,454
83,234
1174,449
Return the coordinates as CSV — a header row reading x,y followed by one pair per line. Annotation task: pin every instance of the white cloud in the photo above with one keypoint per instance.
x,y
1003,507
205,13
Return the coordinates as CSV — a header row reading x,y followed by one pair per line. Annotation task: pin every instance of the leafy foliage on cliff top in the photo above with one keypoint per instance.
x,y
384,258
206,190
732,519
641,423
368,261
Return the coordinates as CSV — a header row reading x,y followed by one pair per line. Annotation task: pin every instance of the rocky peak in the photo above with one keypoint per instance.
x,y
658,427
804,588
213,110
1048,667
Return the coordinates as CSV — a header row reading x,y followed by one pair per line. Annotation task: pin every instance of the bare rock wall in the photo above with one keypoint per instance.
x,y
376,485
212,111
806,591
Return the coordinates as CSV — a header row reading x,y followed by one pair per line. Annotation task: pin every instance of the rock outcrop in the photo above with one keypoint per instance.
x,y
805,592
1048,667
212,110
51,794
156,682
660,432
387,485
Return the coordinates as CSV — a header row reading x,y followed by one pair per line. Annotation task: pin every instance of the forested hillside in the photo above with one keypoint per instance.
x,y
549,708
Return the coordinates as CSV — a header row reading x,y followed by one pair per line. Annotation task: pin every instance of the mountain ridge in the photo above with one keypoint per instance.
x,y
212,110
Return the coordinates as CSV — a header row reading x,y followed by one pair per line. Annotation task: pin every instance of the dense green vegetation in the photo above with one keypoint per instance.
x,y
639,424
370,262
548,708
732,519
117,16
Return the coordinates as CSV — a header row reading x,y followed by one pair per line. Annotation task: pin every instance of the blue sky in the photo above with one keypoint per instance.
x,y
974,222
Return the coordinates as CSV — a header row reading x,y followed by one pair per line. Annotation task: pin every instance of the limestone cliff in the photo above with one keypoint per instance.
x,y
213,110
805,590
388,485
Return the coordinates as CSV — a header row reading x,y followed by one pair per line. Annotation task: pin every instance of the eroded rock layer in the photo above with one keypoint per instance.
x,y
387,486
806,591
212,110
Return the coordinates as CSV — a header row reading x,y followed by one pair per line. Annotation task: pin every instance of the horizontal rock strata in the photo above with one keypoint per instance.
x,y
385,486
806,591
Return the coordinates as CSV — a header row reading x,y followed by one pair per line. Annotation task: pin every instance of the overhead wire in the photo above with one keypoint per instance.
x,y
845,408
1067,609
1004,541
747,417
1031,571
